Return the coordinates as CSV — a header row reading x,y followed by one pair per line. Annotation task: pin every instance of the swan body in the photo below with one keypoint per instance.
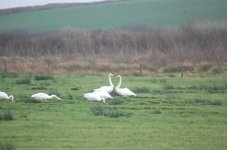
x,y
94,96
123,91
43,96
104,94
3,95
109,88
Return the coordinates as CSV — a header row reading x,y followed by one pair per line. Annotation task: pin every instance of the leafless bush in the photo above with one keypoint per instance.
x,y
128,47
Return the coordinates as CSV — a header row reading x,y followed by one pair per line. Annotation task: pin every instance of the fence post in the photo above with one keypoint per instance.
x,y
5,64
141,69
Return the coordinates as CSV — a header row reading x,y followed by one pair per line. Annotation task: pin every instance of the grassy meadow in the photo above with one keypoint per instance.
x,y
152,13
168,113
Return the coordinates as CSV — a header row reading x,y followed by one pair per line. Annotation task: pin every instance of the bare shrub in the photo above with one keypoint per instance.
x,y
204,66
122,50
215,70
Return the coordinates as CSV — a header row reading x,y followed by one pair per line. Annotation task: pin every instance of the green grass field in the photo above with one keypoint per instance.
x,y
168,113
155,13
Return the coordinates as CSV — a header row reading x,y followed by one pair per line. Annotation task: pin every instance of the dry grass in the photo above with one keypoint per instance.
x,y
189,48
99,66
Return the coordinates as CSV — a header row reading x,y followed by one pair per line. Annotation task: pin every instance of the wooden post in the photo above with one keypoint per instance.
x,y
141,70
47,60
182,74
5,64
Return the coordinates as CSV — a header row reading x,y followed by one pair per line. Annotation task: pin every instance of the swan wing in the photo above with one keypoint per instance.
x,y
40,96
126,92
3,95
104,94
92,96
108,89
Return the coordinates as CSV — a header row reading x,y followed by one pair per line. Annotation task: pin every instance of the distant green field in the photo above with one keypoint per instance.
x,y
155,13
168,113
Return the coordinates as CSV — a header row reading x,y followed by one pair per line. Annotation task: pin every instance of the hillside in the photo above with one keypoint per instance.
x,y
162,13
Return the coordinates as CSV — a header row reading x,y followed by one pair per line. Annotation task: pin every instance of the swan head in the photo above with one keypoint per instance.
x,y
55,97
11,96
110,74
119,76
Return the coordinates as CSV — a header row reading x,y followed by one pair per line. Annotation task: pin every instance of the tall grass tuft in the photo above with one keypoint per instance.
x,y
207,102
111,112
7,146
6,116
24,81
115,102
9,75
54,91
168,87
43,77
141,90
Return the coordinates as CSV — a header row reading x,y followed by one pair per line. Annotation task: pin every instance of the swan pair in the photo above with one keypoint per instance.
x,y
120,91
102,93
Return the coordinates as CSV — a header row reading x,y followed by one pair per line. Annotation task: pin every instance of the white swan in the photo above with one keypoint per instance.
x,y
43,96
123,91
3,95
94,96
108,89
104,94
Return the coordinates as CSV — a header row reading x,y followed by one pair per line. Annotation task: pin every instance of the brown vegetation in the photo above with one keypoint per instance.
x,y
136,50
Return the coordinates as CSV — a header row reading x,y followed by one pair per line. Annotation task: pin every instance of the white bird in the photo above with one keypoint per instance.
x,y
94,96
108,89
43,96
123,91
3,95
104,94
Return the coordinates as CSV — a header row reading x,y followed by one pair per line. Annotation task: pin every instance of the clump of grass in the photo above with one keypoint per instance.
x,y
69,96
6,116
111,112
7,146
44,83
23,115
54,91
215,102
213,88
9,75
158,80
157,112
207,102
168,87
39,88
141,90
43,77
200,101
115,101
192,87
75,88
24,81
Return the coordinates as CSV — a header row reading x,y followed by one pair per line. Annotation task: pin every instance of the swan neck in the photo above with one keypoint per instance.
x,y
119,84
54,96
110,81
11,96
